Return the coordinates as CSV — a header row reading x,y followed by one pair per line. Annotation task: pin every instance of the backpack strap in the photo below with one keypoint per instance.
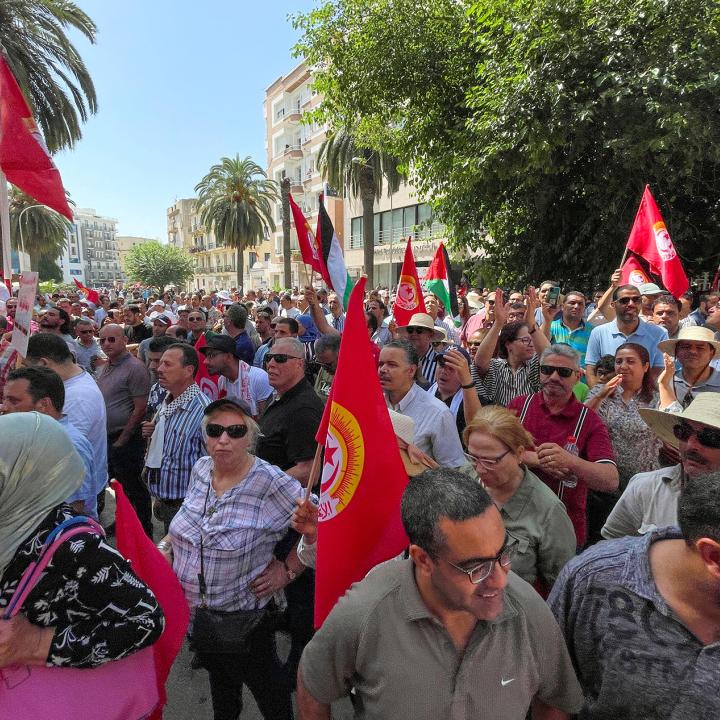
x,y
68,529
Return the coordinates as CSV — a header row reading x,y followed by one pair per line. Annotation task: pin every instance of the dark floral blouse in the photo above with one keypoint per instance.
x,y
99,608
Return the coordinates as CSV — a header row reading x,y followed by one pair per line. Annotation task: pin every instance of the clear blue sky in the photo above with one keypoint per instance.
x,y
180,84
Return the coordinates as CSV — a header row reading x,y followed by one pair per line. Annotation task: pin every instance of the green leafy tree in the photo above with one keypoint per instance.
x,y
157,265
235,201
361,172
36,230
48,269
533,125
48,67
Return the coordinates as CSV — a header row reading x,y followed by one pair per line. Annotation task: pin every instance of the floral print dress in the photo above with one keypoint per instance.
x,y
99,608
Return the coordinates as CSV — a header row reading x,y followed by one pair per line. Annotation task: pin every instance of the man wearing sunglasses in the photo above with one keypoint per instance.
x,y
553,416
651,499
627,327
449,632
641,617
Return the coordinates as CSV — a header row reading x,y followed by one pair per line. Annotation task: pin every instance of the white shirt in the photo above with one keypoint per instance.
x,y
258,385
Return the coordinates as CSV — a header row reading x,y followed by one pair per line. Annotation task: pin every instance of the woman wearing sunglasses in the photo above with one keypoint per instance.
x,y
533,515
618,404
236,509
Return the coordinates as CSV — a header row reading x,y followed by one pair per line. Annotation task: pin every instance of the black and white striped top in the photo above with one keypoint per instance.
x,y
501,384
427,365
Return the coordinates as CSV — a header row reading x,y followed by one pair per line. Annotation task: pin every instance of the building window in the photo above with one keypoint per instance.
x,y
267,257
252,259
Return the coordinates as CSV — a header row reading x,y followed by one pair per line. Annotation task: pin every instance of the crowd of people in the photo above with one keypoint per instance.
x,y
563,503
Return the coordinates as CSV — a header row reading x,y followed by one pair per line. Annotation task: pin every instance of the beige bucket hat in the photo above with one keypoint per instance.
x,y
475,300
423,320
705,409
693,333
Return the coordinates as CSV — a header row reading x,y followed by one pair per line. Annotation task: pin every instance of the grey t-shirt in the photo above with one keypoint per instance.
x,y
634,659
381,639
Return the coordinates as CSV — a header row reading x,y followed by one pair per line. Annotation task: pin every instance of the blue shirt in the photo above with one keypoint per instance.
x,y
245,348
87,492
606,339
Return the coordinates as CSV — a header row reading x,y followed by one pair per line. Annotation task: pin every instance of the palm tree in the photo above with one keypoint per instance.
x,y
235,201
47,66
44,232
285,198
361,171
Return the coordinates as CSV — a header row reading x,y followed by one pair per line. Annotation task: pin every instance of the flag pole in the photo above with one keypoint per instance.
x,y
622,262
314,471
5,229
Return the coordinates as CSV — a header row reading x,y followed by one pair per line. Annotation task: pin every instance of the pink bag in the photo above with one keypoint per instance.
x,y
119,690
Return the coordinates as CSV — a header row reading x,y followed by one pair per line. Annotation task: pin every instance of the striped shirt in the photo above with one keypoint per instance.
x,y
183,445
577,339
501,384
337,322
239,531
427,365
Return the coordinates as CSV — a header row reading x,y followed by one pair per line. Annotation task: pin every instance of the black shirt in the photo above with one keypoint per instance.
x,y
138,333
289,425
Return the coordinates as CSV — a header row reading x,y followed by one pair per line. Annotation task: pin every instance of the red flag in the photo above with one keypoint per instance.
x,y
309,249
155,571
23,156
633,272
650,239
208,383
408,299
363,475
90,295
716,280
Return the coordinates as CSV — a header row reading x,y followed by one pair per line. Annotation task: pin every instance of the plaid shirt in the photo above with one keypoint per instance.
x,y
239,530
184,444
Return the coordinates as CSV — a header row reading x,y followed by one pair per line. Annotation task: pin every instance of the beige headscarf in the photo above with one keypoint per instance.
x,y
39,469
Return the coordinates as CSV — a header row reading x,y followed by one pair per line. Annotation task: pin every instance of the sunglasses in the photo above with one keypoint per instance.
x,y
416,330
281,358
235,432
474,344
108,339
709,437
635,299
563,372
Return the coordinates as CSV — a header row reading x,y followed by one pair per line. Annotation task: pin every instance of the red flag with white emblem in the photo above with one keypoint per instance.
x,y
408,299
208,383
650,239
363,475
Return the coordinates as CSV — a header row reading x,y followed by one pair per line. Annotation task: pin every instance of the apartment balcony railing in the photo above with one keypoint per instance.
x,y
399,235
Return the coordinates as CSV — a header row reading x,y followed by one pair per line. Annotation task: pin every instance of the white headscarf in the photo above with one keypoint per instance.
x,y
39,469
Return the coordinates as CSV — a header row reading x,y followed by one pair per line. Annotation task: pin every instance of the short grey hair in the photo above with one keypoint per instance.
x,y
564,351
252,426
296,346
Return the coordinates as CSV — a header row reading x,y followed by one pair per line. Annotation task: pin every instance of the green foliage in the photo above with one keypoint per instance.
x,y
157,265
47,66
533,125
235,201
44,232
48,269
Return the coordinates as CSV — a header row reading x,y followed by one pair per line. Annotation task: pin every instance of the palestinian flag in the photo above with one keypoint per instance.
x,y
439,282
337,275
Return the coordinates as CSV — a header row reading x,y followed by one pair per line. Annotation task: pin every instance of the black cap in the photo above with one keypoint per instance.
x,y
222,343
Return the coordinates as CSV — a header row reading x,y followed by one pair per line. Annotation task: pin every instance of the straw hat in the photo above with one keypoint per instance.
x,y
474,300
423,320
693,333
404,428
705,409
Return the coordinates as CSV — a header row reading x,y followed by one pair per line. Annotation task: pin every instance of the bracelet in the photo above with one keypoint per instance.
x,y
468,386
163,546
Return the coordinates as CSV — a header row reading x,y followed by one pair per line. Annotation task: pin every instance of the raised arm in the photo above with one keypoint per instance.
x,y
484,353
318,315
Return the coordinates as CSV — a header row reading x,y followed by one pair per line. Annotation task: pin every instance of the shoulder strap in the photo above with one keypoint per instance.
x,y
580,422
526,406
69,528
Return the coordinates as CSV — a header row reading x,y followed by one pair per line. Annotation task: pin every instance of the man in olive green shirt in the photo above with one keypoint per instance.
x,y
449,634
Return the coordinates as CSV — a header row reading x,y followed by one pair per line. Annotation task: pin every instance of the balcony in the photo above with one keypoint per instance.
x,y
296,185
293,151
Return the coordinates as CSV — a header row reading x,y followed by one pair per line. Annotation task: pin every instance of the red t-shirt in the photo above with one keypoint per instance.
x,y
594,445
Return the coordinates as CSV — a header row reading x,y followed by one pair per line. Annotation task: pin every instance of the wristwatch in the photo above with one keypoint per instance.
x,y
291,574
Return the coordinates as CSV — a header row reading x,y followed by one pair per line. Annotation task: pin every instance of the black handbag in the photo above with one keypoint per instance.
x,y
220,631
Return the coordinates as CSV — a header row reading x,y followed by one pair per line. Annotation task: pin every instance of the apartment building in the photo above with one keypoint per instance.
x,y
96,243
125,243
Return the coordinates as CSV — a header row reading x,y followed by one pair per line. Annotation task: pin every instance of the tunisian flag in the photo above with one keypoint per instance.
x,y
155,571
408,299
650,239
90,295
208,383
309,248
23,156
633,273
363,476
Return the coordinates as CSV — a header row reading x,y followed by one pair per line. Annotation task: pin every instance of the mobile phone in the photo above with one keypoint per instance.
x,y
553,296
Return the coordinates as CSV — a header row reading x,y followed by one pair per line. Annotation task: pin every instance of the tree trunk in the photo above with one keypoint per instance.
x,y
239,270
367,196
287,267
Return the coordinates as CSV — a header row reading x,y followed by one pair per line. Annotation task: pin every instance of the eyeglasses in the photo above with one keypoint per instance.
x,y
487,463
280,358
486,568
525,340
709,437
438,343
235,432
108,339
416,330
563,372
635,299
475,344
